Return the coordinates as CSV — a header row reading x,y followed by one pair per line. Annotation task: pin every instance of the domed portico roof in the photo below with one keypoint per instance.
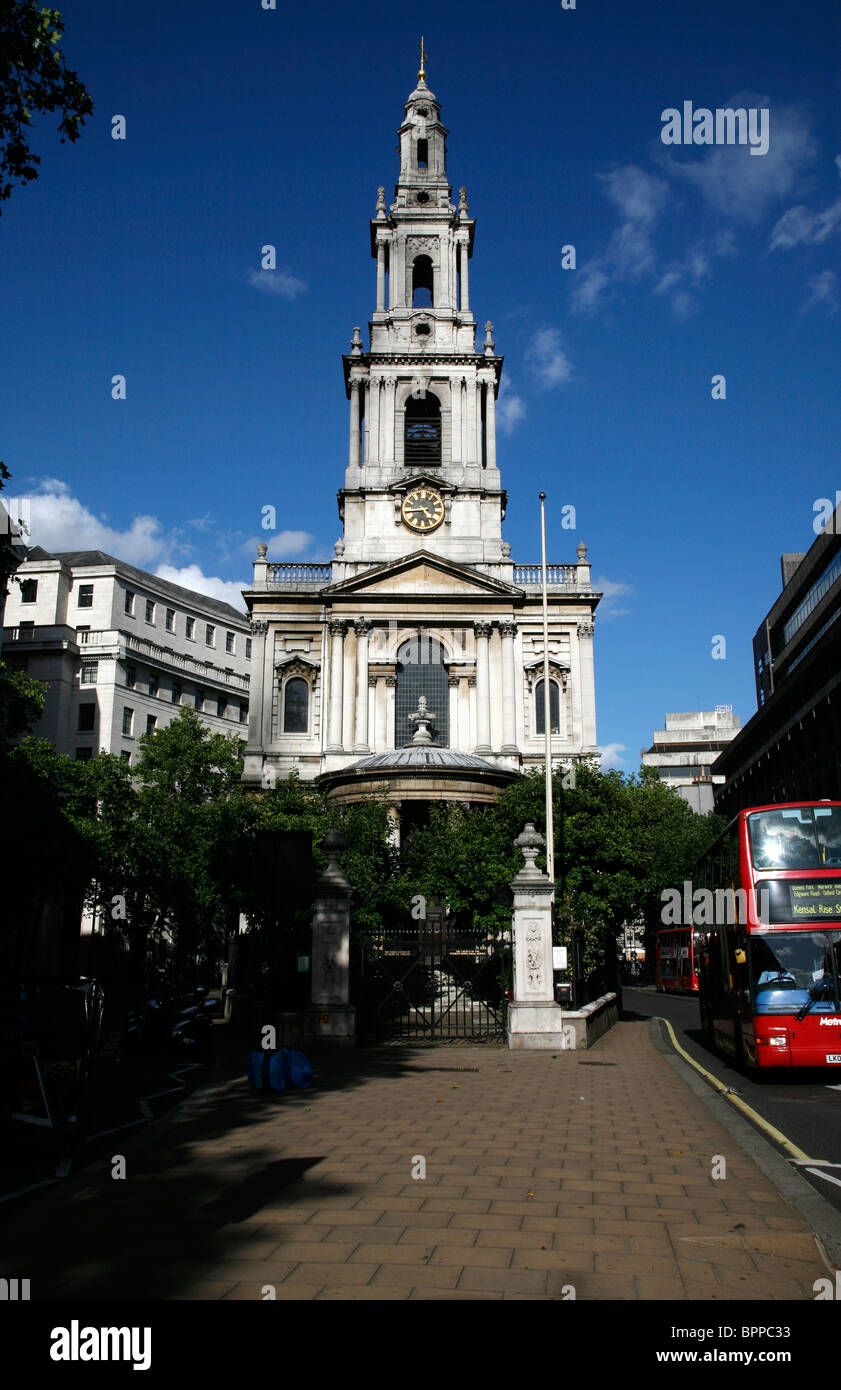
x,y
418,773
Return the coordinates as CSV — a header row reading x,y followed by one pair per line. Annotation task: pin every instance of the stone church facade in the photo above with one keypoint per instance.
x,y
422,601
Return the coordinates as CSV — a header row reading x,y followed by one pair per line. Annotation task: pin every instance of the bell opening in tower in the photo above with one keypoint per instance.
x,y
422,438
422,283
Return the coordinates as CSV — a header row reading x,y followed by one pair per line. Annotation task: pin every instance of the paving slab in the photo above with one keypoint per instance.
x,y
544,1174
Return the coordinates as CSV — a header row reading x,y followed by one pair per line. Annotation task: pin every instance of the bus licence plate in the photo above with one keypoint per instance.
x,y
833,1056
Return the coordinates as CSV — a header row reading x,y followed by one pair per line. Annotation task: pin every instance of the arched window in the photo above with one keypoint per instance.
x,y
554,707
422,431
421,671
422,282
296,706
423,154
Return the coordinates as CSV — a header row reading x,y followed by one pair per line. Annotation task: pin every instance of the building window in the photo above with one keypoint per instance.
x,y
86,596
210,636
423,154
198,701
26,631
126,756
154,684
129,605
89,673
83,755
243,714
128,721
131,677
151,721
170,620
248,648
554,708
229,643
191,629
421,671
422,283
29,591
177,692
87,718
220,707
150,611
296,706
422,432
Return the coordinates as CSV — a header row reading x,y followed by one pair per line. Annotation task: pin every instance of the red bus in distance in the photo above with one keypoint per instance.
x,y
675,965
770,965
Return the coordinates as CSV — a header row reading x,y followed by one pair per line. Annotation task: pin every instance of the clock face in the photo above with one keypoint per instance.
x,y
422,509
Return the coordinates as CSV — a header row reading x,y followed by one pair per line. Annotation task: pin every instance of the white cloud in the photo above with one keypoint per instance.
x,y
639,197
61,522
283,545
824,290
611,756
192,577
280,281
614,591
741,185
546,359
510,408
799,226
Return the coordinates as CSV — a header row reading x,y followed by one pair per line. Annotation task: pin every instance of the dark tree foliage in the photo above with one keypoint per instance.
x,y
33,78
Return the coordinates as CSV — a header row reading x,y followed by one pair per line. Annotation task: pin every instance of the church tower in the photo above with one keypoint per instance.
x,y
422,465
411,667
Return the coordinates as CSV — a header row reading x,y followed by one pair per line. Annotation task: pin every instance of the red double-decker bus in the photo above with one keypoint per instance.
x,y
770,966
675,966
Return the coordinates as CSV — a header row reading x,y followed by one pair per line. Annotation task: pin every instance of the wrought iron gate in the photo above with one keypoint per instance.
x,y
431,981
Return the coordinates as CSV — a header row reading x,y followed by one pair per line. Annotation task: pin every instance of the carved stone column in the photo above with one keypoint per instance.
x,y
374,431
337,628
257,687
388,420
465,287
508,631
473,424
390,711
490,424
380,277
534,1019
455,420
483,688
331,1016
454,683
354,449
362,626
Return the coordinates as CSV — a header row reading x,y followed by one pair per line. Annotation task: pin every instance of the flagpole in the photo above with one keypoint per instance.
x,y
547,703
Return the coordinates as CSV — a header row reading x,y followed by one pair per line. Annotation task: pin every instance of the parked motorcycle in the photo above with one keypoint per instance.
x,y
171,1023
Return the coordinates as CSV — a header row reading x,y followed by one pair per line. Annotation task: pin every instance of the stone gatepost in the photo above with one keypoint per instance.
x,y
534,1019
331,1016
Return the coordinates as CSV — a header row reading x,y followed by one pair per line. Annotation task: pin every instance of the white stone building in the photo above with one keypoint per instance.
x,y
121,650
683,753
422,597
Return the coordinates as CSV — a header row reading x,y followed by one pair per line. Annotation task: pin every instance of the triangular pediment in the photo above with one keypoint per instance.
x,y
421,573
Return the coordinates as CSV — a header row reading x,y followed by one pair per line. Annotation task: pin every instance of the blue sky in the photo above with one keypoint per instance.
x,y
248,126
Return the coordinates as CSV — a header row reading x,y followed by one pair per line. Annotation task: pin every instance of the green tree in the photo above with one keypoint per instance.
x,y
33,78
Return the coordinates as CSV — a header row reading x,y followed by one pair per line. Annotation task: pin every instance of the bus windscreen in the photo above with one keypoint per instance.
x,y
801,837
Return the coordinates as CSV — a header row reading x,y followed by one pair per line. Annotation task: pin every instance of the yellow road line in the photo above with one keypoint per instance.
x,y
795,1154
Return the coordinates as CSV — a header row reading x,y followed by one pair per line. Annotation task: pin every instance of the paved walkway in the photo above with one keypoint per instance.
x,y
589,1170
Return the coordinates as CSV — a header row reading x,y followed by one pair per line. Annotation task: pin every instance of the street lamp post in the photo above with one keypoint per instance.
x,y
547,704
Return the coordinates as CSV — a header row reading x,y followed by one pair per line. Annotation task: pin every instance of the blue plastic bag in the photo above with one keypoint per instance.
x,y
258,1071
298,1069
279,1070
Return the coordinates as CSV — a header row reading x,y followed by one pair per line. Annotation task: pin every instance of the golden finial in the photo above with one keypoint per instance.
x,y
424,55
